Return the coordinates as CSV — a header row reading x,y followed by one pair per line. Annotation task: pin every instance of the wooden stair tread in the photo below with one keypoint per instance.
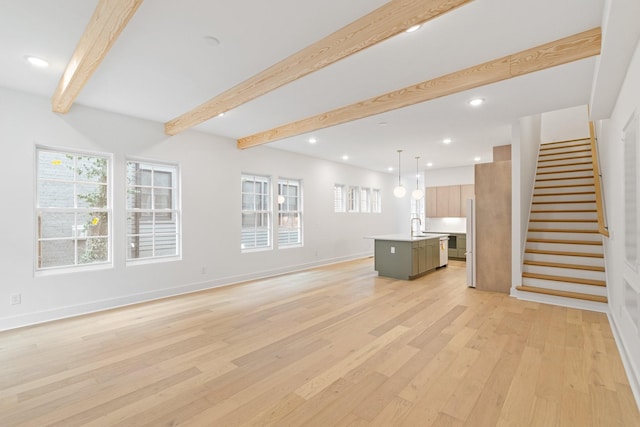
x,y
562,186
561,230
565,242
561,164
577,280
564,211
563,220
563,202
565,178
566,294
561,265
573,193
570,171
564,253
566,152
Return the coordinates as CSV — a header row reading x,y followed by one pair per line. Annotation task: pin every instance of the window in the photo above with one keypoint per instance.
x,y
376,201
353,199
339,204
289,212
256,212
365,200
153,216
73,209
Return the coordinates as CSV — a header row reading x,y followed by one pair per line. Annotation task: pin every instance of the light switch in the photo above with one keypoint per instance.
x,y
393,249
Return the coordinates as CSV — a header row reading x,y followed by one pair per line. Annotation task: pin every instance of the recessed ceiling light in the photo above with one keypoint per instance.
x,y
412,28
312,140
35,61
345,157
429,164
446,141
476,102
476,159
390,169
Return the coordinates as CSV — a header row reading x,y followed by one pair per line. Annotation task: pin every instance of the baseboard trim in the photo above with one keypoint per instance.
x,y
59,313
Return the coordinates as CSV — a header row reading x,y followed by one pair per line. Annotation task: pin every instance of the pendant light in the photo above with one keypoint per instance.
x,y
399,191
417,194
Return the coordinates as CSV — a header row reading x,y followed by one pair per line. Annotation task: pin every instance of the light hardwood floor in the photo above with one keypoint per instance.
x,y
332,346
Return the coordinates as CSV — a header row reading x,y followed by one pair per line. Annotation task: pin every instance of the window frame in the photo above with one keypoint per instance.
x,y
282,182
173,212
365,199
376,200
267,181
76,211
339,202
353,199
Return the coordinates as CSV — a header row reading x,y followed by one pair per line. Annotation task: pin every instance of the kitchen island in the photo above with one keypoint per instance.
x,y
407,257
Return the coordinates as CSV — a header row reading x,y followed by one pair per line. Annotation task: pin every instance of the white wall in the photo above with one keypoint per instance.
x,y
210,168
524,152
621,301
449,176
564,125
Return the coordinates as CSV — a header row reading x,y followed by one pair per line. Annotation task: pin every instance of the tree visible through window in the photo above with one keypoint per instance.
x,y
256,212
153,225
72,209
289,212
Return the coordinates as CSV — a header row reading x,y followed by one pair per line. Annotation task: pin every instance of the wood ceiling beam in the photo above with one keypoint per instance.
x,y
104,27
568,49
388,20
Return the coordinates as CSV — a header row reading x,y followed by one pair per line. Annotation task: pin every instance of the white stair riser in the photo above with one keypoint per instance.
x,y
563,247
565,286
565,177
588,188
566,171
566,198
566,272
551,181
573,161
563,215
563,207
567,225
589,237
565,259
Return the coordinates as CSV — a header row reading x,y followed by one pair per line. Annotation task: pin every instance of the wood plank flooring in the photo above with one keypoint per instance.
x,y
332,346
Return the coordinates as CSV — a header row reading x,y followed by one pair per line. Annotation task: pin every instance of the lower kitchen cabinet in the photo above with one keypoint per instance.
x,y
406,260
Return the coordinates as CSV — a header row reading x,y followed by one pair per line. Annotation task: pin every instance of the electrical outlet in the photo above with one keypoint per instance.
x,y
393,249
15,299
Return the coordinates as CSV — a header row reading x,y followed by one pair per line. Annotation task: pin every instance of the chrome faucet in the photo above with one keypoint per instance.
x,y
419,225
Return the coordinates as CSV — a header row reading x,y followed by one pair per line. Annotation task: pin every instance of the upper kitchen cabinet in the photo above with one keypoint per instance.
x,y
431,199
447,201
467,191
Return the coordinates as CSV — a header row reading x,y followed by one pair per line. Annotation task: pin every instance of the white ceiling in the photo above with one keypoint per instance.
x,y
162,66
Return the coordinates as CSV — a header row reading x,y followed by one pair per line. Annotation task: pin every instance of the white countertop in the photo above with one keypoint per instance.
x,y
401,237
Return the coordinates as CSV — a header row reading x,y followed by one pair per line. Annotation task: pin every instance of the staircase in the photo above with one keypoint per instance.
x,y
564,253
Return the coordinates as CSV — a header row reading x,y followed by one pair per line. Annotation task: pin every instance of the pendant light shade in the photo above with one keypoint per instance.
x,y
399,191
417,194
